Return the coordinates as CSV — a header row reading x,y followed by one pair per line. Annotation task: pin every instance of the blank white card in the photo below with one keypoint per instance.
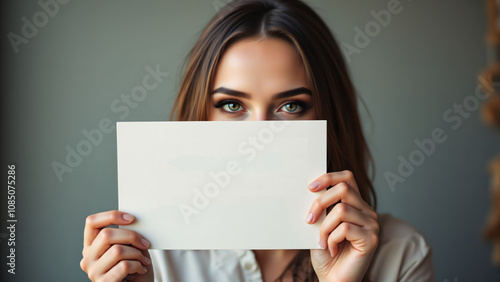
x,y
221,184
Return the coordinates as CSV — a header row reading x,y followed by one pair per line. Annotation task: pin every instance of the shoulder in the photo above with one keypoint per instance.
x,y
403,252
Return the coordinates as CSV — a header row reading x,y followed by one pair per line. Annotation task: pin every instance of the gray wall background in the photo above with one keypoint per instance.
x,y
64,79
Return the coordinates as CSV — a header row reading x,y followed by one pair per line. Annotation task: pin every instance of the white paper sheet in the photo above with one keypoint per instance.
x,y
221,184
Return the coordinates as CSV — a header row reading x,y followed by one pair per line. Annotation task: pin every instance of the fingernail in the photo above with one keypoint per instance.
x,y
127,217
147,260
309,217
144,269
145,242
331,253
314,185
321,244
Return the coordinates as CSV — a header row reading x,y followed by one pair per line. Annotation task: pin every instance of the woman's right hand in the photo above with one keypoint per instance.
x,y
114,254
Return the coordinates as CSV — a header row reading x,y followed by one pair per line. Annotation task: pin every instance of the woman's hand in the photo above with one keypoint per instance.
x,y
349,232
113,254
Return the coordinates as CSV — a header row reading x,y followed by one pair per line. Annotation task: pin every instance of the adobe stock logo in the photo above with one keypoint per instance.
x,y
94,137
221,179
455,117
40,19
372,29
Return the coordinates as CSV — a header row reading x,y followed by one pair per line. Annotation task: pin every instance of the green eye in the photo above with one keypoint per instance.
x,y
232,107
291,107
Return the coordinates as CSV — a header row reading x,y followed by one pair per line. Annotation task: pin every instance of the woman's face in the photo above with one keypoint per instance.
x,y
261,79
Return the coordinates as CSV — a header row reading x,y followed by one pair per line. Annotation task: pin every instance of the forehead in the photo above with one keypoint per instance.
x,y
263,61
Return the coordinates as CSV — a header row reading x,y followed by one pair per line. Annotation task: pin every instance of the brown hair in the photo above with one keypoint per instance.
x,y
334,96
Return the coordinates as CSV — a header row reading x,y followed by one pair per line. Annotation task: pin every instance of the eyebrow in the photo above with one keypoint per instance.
x,y
284,94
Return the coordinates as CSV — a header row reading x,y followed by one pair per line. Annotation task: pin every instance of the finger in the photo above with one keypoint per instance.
x,y
361,239
333,178
339,193
115,254
95,222
123,269
110,236
345,213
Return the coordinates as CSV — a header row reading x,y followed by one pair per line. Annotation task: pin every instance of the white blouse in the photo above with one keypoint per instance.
x,y
403,254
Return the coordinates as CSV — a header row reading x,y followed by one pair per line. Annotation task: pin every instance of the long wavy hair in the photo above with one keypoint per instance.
x,y
334,95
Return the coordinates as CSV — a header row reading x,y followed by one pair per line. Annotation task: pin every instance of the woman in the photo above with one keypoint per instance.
x,y
262,60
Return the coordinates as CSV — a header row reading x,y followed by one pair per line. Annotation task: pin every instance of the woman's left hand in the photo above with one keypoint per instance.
x,y
348,233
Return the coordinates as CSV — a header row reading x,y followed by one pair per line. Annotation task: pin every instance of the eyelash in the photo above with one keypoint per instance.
x,y
303,105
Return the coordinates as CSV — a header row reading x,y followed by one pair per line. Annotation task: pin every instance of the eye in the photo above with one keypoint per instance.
x,y
232,107
293,107
229,106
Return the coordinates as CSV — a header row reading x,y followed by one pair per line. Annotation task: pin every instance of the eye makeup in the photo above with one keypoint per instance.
x,y
222,103
302,105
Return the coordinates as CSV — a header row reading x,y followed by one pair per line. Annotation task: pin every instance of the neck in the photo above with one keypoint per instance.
x,y
266,255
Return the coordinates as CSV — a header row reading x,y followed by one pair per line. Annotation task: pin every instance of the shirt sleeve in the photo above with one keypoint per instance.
x,y
403,253
418,266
